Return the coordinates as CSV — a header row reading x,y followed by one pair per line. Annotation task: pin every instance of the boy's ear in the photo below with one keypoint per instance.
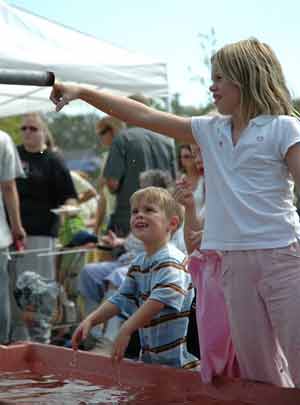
x,y
174,223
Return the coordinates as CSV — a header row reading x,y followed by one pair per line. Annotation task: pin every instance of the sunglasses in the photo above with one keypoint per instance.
x,y
104,130
30,127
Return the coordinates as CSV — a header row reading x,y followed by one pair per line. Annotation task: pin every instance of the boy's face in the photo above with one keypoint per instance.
x,y
150,224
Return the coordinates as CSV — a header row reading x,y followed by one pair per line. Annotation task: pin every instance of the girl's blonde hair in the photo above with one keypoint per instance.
x,y
162,198
255,69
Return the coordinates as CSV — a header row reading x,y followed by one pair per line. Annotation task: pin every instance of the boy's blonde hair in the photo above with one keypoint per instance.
x,y
255,69
162,198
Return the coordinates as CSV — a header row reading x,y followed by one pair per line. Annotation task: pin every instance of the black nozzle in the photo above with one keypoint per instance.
x,y
26,77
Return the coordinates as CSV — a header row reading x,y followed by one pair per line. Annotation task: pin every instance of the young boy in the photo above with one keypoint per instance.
x,y
157,291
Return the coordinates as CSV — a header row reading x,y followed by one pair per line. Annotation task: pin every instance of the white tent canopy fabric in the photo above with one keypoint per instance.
x,y
35,43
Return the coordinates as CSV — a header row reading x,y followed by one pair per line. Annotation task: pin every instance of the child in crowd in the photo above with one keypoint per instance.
x,y
157,290
250,155
97,279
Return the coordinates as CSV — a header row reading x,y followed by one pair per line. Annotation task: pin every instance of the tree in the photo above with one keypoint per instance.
x,y
73,132
296,104
11,125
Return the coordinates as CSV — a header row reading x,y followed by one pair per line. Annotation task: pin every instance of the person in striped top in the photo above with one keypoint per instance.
x,y
157,292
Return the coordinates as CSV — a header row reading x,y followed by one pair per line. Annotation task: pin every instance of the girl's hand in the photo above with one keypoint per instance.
x,y
183,193
193,239
62,94
120,345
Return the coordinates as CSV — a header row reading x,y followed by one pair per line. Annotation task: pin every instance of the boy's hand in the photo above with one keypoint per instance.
x,y
62,94
81,333
120,344
139,319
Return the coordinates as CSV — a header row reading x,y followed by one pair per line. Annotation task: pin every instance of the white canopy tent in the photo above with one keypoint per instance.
x,y
32,42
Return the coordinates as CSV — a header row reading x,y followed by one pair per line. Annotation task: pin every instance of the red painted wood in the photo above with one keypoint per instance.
x,y
168,385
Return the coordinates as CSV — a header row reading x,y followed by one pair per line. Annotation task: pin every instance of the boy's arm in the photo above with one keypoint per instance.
x,y
106,311
139,319
127,110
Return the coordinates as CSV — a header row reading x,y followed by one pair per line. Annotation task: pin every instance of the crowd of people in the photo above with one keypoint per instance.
x,y
203,269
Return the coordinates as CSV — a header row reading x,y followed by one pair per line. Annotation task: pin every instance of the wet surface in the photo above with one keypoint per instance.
x,y
28,388
25,387
33,373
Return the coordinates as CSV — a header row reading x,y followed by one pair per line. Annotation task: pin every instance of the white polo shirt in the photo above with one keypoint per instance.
x,y
249,190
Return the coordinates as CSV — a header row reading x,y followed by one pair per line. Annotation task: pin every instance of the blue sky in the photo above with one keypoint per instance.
x,y
168,30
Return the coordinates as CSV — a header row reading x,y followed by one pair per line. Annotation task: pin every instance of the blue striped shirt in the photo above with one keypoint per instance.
x,y
162,277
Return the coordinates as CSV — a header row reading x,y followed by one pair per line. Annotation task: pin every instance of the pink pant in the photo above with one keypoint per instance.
x,y
262,291
218,356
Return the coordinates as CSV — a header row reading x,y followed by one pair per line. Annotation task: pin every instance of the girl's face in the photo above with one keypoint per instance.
x,y
32,134
227,95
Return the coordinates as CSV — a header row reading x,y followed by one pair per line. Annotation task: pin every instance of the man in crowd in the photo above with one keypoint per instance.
x,y
132,151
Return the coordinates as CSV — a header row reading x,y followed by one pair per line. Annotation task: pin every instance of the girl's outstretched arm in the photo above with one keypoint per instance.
x,y
127,110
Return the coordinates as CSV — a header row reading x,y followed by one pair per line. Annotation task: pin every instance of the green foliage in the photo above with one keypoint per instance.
x,y
159,104
188,110
77,132
11,125
296,104
73,132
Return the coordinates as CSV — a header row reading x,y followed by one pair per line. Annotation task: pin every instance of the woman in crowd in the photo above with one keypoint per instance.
x,y
47,186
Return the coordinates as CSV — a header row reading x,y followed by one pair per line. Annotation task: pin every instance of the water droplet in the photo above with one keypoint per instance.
x,y
73,362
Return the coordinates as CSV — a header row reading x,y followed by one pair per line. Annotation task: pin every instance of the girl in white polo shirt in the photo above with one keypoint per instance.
x,y
250,155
